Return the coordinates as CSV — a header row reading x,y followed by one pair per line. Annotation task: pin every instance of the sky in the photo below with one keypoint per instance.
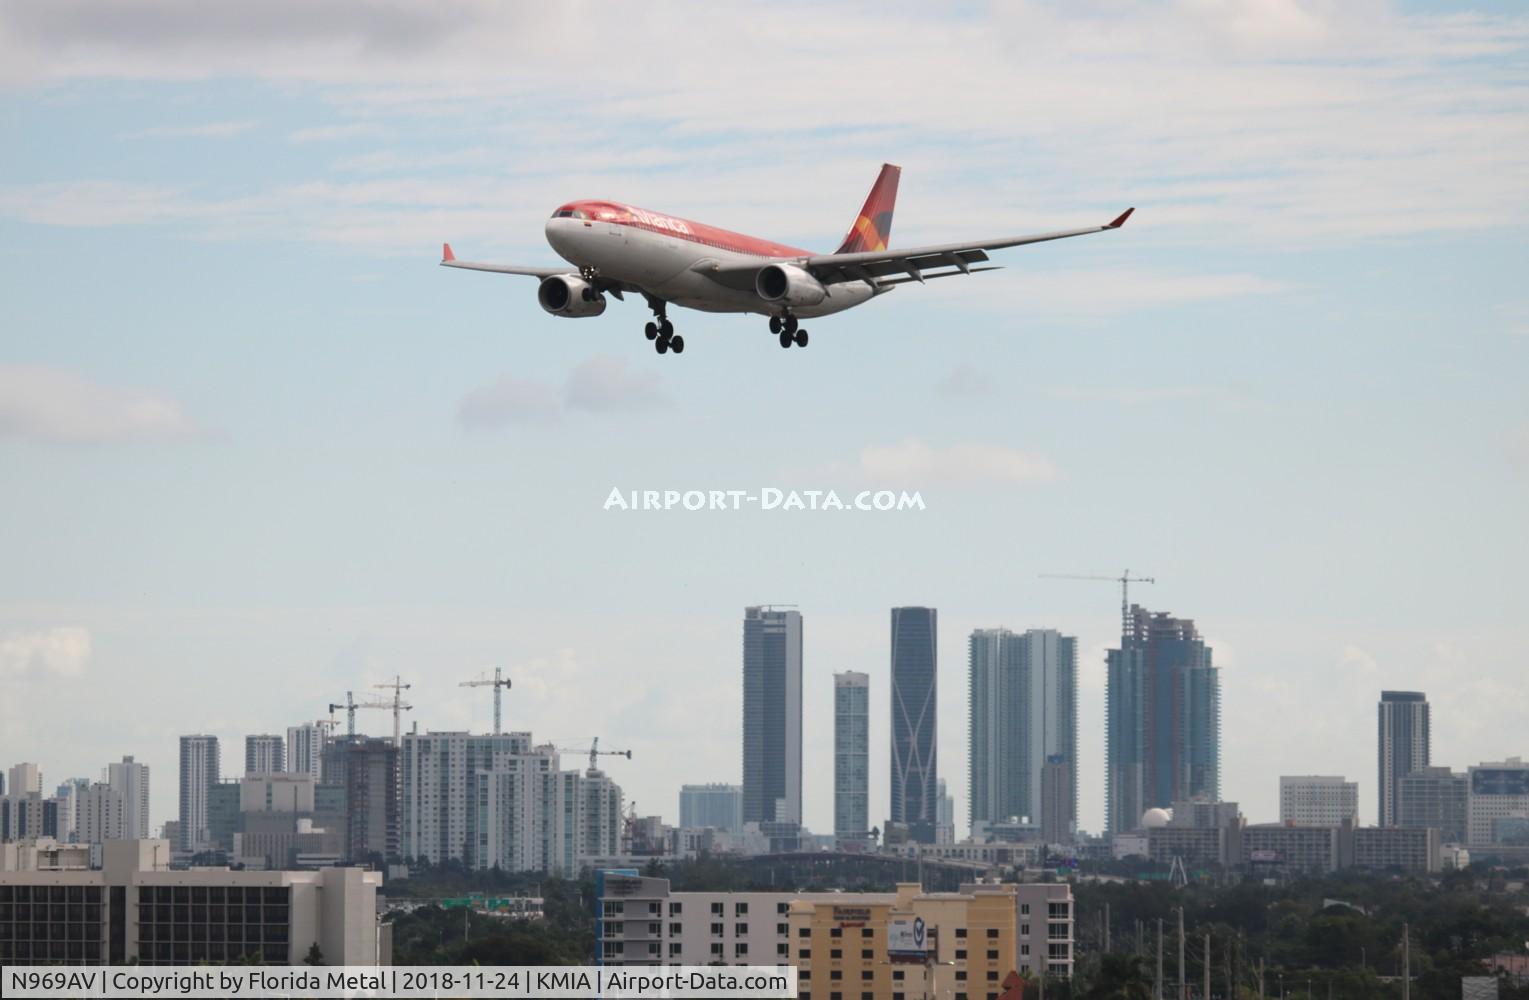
x,y
257,450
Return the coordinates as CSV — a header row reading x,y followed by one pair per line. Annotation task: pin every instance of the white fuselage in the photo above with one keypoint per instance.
x,y
674,269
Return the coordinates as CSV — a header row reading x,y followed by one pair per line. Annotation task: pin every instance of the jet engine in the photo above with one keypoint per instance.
x,y
569,295
789,285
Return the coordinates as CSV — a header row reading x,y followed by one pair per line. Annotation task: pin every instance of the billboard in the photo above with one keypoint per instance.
x,y
907,940
1264,856
1500,781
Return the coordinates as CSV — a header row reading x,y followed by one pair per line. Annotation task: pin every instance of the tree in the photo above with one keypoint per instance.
x,y
315,955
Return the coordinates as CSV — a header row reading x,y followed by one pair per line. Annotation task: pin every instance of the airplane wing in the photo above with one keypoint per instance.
x,y
881,268
878,267
449,259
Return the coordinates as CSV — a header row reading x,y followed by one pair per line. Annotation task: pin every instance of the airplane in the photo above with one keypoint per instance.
x,y
617,249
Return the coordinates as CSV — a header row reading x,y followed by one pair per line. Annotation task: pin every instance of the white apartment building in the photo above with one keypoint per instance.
x,y
1318,800
130,779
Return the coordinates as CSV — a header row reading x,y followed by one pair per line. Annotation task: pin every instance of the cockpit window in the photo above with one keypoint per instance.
x,y
570,213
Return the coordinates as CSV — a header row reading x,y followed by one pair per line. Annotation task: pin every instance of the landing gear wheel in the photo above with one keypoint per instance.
x,y
651,330
677,344
785,339
791,324
661,345
775,324
801,338
666,328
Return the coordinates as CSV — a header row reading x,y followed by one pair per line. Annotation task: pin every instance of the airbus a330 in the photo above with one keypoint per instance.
x,y
616,249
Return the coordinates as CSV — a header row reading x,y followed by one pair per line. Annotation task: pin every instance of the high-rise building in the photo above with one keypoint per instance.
x,y
68,802
1318,800
852,759
717,806
1404,743
305,749
265,754
367,768
1435,797
1498,808
1162,719
24,779
915,701
438,818
198,773
1022,709
772,715
101,815
1059,800
130,779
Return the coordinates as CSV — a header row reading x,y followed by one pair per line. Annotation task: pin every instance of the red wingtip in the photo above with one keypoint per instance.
x,y
446,253
1120,220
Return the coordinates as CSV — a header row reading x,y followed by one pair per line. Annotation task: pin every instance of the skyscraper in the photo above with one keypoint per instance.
x,y
1022,711
1403,746
852,759
305,749
915,698
367,768
716,805
264,754
772,715
1162,719
130,779
198,773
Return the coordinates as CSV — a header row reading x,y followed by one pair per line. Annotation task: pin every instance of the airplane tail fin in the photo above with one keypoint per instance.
x,y
873,227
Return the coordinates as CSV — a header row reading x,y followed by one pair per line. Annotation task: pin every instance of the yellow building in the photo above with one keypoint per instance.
x,y
911,945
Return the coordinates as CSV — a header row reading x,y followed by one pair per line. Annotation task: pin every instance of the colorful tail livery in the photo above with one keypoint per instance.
x,y
873,229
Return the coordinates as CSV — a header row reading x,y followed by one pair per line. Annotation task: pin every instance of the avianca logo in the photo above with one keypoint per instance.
x,y
660,221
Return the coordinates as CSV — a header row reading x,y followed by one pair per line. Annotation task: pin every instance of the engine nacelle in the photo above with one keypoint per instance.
x,y
789,285
569,295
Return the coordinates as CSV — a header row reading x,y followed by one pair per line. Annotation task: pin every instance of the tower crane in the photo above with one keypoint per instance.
x,y
350,706
398,705
499,684
594,751
1124,579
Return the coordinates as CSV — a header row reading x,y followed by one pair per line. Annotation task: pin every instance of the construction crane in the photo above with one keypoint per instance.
x,y
398,705
594,751
497,683
1125,580
350,706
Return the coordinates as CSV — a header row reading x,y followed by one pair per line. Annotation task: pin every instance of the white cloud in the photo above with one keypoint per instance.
x,y
57,406
509,401
606,384
914,462
212,130
1233,122
62,650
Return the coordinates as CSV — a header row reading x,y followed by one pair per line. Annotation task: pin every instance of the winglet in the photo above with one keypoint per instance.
x,y
446,253
1120,220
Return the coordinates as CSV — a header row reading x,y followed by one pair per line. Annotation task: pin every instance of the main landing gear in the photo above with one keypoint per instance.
x,y
661,331
785,327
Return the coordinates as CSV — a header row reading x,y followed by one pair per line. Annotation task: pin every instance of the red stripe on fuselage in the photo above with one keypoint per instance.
x,y
682,229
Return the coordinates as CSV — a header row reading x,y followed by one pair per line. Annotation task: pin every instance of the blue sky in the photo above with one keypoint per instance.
x,y
239,481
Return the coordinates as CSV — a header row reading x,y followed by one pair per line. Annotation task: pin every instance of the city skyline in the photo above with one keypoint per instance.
x,y
826,823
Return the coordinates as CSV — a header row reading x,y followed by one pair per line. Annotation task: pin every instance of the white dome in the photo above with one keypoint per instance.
x,y
1153,818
